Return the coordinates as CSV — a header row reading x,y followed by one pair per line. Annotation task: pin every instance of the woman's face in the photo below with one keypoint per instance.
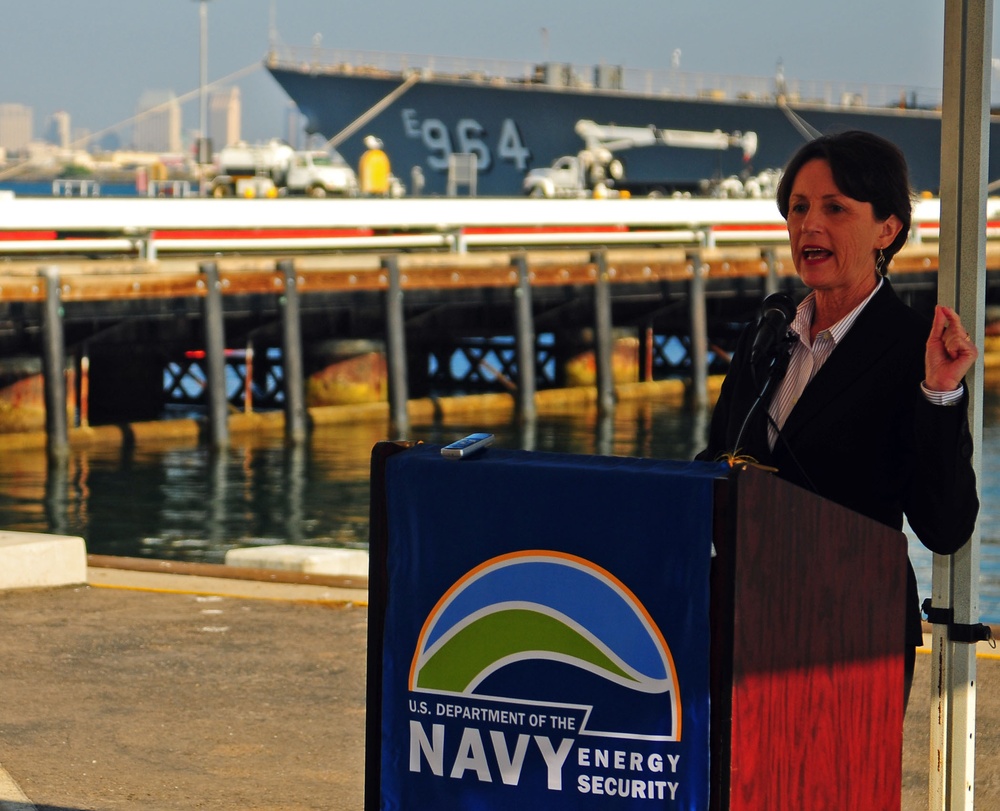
x,y
834,237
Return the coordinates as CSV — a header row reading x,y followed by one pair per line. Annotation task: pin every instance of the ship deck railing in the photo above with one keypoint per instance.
x,y
658,82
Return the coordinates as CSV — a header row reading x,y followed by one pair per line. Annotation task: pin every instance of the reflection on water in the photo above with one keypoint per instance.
x,y
185,502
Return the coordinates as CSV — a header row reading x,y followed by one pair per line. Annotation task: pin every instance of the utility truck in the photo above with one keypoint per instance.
x,y
274,169
596,171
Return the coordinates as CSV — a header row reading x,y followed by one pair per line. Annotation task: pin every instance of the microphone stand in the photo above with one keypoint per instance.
x,y
773,373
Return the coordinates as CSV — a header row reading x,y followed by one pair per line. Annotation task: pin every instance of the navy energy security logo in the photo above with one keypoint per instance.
x,y
542,667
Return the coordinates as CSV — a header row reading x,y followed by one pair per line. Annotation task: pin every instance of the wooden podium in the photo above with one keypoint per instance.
x,y
807,624
808,604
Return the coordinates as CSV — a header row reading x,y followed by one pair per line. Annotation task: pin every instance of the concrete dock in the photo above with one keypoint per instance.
x,y
166,691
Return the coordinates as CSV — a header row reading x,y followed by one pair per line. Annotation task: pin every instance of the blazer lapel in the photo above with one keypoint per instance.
x,y
870,339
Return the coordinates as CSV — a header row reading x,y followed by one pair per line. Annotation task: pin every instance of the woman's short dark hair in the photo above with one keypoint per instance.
x,y
865,167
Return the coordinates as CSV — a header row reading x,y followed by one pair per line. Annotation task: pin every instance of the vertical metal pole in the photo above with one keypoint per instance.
x,y
54,365
215,358
294,377
602,335
395,330
968,28
203,96
525,342
699,332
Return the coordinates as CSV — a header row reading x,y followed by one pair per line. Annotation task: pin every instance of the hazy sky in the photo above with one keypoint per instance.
x,y
94,58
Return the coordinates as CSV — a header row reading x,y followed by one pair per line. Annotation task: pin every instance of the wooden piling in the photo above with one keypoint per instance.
x,y
54,365
699,332
296,419
524,339
215,358
603,341
395,347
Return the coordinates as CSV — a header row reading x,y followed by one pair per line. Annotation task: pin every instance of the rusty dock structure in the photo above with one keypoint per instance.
x,y
119,340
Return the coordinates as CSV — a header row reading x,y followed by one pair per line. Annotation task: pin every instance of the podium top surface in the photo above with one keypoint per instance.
x,y
431,454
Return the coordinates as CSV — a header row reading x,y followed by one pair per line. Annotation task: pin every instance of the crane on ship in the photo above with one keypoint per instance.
x,y
614,138
595,169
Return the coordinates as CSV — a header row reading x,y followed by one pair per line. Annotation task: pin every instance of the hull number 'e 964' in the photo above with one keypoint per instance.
x,y
468,137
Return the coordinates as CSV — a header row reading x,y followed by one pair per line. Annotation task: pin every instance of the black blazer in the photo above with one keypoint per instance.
x,y
863,434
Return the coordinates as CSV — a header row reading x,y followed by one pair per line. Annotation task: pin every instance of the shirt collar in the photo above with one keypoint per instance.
x,y
804,315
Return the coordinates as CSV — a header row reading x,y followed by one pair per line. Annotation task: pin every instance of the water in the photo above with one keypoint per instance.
x,y
184,502
43,188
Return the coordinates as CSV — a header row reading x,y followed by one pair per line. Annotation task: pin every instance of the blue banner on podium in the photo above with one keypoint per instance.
x,y
546,638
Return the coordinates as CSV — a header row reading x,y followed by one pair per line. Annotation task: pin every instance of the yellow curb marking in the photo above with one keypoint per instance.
x,y
345,602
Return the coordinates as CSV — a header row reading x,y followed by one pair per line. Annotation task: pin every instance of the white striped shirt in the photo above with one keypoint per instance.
x,y
807,359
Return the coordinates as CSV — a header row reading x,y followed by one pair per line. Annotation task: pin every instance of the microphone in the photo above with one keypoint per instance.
x,y
776,313
770,353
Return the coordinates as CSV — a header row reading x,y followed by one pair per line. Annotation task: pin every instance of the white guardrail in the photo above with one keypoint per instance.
x,y
148,227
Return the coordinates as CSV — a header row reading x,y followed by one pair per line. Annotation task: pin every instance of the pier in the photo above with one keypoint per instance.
x,y
445,323
295,741
121,329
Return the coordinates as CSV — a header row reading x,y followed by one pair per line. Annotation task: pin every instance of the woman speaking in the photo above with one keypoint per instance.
x,y
871,411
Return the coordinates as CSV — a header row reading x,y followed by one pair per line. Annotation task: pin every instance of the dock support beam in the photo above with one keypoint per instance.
x,y
524,342
602,335
296,427
770,258
54,365
699,333
395,330
215,358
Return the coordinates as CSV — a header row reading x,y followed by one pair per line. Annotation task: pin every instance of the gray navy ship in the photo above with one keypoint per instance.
x,y
517,118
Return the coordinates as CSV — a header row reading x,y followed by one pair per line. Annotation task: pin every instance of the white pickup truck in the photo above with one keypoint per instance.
x,y
320,174
572,176
274,168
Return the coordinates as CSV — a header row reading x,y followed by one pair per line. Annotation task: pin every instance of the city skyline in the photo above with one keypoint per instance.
x,y
95,60
156,126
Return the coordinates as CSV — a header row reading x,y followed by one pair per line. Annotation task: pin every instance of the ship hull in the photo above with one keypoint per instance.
x,y
513,128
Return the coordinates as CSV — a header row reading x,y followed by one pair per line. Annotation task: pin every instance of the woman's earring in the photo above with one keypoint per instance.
x,y
880,264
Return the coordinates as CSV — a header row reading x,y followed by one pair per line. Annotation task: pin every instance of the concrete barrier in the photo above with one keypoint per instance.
x,y
33,560
306,559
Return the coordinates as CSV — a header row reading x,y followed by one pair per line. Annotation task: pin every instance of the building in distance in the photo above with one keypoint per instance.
x,y
157,125
225,115
17,123
58,131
